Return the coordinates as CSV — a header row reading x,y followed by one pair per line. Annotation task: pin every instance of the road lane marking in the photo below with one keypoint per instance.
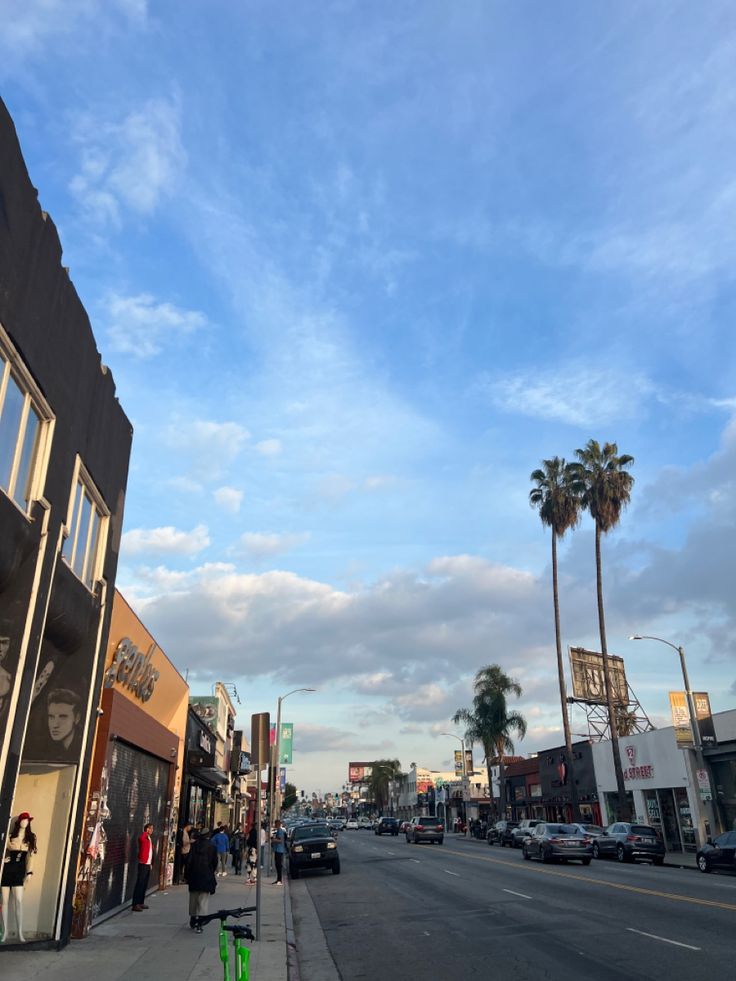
x,y
664,940
417,861
452,873
527,867
425,933
522,894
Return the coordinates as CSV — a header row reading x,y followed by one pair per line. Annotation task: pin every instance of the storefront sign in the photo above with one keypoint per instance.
x,y
133,669
681,719
205,742
634,772
705,719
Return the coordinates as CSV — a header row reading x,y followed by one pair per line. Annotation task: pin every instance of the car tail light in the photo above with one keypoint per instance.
x,y
440,827
633,838
419,827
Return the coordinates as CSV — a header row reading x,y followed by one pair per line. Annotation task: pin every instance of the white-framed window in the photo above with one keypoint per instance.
x,y
25,429
87,522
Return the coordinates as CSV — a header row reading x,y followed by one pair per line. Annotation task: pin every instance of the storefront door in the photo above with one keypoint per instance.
x,y
670,824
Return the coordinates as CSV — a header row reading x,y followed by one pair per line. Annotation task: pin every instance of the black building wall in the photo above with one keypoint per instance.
x,y
54,628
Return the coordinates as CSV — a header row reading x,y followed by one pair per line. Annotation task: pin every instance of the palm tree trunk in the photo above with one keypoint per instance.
x,y
623,810
563,688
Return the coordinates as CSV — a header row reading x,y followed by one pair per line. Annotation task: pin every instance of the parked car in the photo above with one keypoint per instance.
x,y
312,846
558,842
351,824
590,830
500,832
719,853
629,842
425,829
523,830
403,825
386,826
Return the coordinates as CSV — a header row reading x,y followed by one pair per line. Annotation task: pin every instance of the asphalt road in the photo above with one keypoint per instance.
x,y
400,912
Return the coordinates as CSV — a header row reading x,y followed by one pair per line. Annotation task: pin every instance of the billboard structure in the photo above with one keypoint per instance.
x,y
359,772
589,690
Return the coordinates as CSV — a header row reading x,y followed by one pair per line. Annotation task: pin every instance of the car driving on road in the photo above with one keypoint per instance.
x,y
351,824
312,846
386,826
425,829
628,842
557,842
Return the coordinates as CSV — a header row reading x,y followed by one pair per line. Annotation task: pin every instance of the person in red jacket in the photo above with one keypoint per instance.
x,y
145,860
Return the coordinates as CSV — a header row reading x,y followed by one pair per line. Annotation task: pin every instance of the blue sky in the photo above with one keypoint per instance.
x,y
358,268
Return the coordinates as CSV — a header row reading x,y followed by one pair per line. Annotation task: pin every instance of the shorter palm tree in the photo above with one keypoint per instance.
x,y
382,773
490,722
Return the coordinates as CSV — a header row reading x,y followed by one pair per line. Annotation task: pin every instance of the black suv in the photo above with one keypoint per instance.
x,y
386,826
500,832
312,847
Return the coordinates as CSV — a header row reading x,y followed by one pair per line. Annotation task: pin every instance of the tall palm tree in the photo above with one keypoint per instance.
x,y
606,490
490,722
556,497
382,773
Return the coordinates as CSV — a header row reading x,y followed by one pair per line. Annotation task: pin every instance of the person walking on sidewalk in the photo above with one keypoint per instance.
x,y
145,860
251,854
186,844
201,876
278,844
236,850
222,845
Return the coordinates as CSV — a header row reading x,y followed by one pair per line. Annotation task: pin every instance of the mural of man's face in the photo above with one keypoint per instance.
x,y
5,681
62,720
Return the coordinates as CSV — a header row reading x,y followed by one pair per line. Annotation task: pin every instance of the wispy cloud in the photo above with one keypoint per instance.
x,y
142,326
268,447
165,541
573,392
130,165
261,545
228,498
209,446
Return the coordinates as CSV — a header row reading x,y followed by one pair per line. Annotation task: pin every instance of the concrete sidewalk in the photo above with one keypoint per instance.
x,y
157,944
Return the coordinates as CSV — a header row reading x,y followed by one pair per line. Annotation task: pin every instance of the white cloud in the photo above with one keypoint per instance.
x,y
260,545
228,498
185,485
573,392
268,447
209,446
129,165
141,326
167,540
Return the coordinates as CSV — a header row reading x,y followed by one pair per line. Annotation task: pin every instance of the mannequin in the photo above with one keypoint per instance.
x,y
16,869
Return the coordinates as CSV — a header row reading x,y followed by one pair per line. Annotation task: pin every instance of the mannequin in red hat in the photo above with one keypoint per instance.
x,y
16,869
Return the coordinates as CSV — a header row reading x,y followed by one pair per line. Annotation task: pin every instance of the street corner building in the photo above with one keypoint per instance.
x,y
136,773
65,445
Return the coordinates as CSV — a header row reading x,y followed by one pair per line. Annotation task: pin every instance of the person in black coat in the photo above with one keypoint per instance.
x,y
201,877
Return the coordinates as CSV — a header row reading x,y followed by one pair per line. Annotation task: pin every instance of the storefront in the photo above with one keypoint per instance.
x,y
721,759
523,790
556,773
203,780
658,784
136,770
65,444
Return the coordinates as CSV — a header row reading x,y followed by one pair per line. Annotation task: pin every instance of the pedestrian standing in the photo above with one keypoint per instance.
x,y
201,877
222,845
186,844
251,854
278,844
263,843
236,850
145,860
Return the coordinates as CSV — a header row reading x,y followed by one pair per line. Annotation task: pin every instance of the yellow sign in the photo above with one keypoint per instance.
x,y
681,719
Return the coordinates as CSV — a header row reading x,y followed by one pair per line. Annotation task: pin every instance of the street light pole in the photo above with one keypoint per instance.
x,y
709,819
465,770
275,767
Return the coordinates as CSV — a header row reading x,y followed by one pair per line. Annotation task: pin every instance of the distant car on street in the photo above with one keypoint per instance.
x,y
500,833
629,842
551,842
351,824
365,824
386,826
590,830
425,829
523,830
720,853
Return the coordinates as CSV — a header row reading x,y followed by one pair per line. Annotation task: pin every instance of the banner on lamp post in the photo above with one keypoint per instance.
x,y
469,762
681,719
282,779
286,743
458,762
705,719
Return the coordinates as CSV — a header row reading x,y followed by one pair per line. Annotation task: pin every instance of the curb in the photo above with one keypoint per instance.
x,y
292,960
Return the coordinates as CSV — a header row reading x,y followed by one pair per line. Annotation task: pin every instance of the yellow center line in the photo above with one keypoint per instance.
x,y
677,897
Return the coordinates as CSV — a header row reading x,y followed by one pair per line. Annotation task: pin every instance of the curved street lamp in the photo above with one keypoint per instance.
x,y
708,821
465,771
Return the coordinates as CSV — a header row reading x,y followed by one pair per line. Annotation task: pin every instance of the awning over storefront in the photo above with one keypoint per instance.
x,y
208,776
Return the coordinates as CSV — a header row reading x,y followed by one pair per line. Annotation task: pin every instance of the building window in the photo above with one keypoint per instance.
x,y
88,518
25,425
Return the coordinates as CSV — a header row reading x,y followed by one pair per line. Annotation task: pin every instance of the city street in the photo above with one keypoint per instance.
x,y
399,911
